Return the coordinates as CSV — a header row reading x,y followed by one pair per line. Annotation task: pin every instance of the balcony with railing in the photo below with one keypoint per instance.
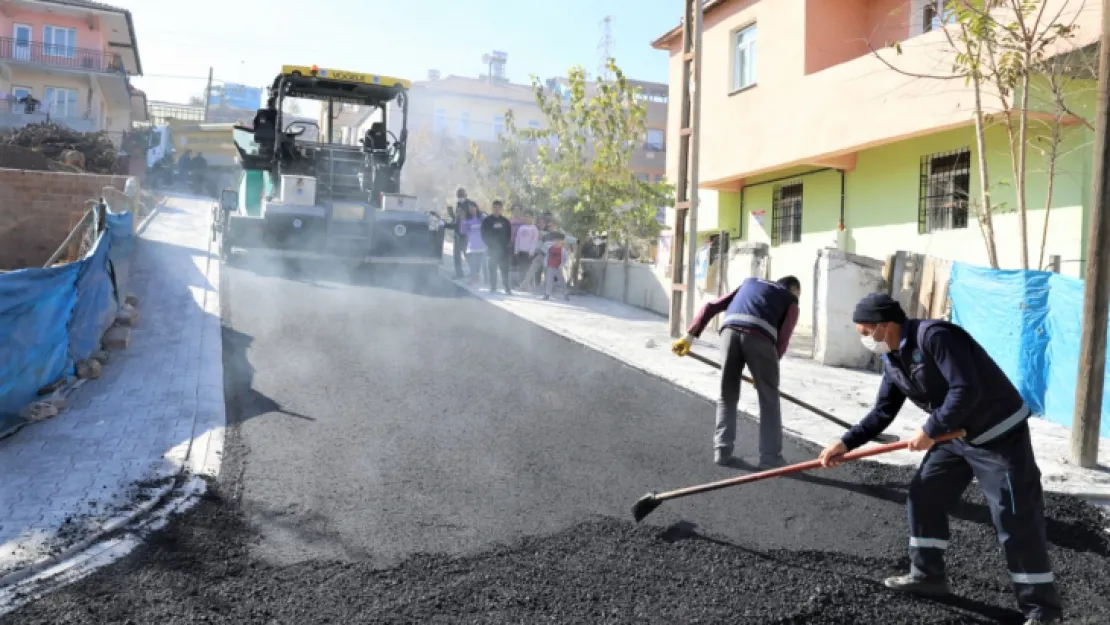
x,y
38,53
16,113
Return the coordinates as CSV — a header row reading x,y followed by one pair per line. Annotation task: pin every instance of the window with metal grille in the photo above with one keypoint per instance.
x,y
944,191
786,214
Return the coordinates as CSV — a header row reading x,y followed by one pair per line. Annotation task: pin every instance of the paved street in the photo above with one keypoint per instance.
x,y
370,424
124,435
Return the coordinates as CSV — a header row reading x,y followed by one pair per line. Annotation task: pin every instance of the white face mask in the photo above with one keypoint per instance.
x,y
874,346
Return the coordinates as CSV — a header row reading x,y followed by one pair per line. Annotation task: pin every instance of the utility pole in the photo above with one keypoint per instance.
x,y
683,260
207,94
1096,295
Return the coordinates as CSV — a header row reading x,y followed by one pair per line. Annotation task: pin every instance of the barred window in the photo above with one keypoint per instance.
x,y
944,191
786,214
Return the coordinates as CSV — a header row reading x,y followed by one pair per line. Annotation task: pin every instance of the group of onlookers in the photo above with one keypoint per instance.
x,y
523,249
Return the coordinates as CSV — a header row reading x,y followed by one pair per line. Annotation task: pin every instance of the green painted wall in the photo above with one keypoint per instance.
x,y
883,189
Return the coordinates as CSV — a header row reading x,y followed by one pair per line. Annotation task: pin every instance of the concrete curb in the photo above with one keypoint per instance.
x,y
111,526
74,556
1099,496
83,557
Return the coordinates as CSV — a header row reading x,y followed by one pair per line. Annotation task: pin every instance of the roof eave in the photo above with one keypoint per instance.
x,y
664,41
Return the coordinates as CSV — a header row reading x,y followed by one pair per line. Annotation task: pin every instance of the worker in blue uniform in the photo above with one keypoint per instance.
x,y
760,316
941,368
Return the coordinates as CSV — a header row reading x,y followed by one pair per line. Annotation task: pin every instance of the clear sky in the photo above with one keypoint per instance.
x,y
246,41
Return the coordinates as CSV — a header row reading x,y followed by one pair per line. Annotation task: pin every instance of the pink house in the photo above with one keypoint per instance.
x,y
70,60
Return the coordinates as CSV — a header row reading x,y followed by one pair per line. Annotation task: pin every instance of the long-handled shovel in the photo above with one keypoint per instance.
x,y
882,438
648,503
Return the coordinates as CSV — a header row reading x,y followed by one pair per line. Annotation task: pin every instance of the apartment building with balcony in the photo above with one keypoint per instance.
x,y
69,61
810,140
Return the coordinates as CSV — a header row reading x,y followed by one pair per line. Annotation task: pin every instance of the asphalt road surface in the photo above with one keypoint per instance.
x,y
402,456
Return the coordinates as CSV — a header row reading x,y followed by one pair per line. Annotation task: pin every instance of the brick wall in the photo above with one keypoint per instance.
x,y
36,211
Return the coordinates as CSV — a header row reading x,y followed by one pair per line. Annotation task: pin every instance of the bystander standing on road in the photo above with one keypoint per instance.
x,y
554,259
475,246
459,214
525,244
760,316
516,218
941,368
497,235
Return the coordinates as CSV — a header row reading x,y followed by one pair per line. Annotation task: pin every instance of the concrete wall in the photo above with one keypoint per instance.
x,y
37,211
636,284
841,280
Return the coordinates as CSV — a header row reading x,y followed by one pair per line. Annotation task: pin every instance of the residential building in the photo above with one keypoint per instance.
x,y
69,61
828,136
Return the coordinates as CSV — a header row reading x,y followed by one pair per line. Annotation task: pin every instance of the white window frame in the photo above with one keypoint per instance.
x,y
659,145
50,104
22,52
744,56
50,45
498,125
440,120
464,124
17,107
917,17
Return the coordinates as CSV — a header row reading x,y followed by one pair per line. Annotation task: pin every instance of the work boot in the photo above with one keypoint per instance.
x,y
918,585
772,463
722,456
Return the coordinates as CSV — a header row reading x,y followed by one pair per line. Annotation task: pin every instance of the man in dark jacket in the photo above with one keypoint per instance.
x,y
941,368
497,233
458,215
759,319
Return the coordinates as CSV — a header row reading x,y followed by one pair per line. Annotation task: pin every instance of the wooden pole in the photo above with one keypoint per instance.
x,y
1096,294
686,194
679,285
695,114
207,94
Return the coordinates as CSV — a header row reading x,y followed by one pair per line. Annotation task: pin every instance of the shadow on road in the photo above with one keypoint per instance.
x,y
248,402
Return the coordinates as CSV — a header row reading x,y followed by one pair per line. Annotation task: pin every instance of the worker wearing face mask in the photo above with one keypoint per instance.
x,y
945,372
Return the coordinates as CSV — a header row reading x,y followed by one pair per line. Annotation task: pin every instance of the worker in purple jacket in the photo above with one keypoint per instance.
x,y
759,318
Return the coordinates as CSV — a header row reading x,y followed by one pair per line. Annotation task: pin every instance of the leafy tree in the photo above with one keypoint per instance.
x,y
1000,47
579,166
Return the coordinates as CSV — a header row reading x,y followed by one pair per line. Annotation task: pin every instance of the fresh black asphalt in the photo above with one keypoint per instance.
x,y
420,456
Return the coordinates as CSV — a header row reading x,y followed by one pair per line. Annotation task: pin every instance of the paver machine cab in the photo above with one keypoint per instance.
x,y
301,196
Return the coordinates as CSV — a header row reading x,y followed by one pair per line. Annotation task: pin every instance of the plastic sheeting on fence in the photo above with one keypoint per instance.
x,y
52,318
96,302
35,307
1029,322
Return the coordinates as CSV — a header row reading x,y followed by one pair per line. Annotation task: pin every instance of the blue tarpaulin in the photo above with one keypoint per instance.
x,y
1029,322
96,302
35,307
52,318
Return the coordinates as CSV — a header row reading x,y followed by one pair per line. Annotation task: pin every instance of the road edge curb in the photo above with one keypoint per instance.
x,y
39,572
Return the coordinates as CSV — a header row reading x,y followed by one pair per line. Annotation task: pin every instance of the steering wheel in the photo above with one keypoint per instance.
x,y
304,127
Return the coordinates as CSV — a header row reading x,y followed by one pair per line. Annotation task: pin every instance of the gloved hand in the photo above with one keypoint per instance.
x,y
682,346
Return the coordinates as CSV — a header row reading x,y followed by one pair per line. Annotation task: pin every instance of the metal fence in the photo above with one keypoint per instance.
x,y
61,56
